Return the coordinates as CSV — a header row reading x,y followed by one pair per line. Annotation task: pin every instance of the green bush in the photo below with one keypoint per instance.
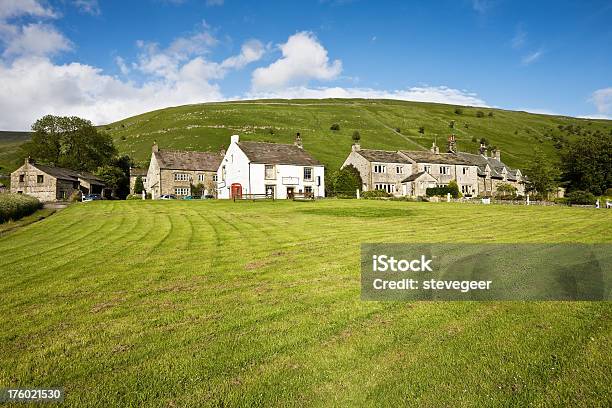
x,y
334,126
375,194
580,197
452,188
346,181
16,206
480,114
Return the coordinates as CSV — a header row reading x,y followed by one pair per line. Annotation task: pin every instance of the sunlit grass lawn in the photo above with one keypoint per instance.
x,y
222,303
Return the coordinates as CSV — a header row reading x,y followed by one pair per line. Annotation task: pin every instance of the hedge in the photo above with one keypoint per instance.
x,y
16,206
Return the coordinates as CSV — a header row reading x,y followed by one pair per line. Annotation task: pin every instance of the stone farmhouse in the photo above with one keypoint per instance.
x,y
175,172
136,172
48,183
277,170
411,173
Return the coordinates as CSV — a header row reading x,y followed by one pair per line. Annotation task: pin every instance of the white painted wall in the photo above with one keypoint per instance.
x,y
251,176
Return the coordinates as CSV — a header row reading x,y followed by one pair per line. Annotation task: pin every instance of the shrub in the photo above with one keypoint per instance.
x,y
335,126
134,197
422,130
458,111
138,185
580,197
398,130
480,114
452,188
375,194
356,136
608,192
346,181
490,114
16,206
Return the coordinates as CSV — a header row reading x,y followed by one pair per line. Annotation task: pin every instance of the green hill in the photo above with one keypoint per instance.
x,y
208,127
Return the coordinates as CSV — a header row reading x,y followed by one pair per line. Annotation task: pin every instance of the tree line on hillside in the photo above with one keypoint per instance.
x,y
76,144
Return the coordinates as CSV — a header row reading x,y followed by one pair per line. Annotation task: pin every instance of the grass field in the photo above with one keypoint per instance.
x,y
225,304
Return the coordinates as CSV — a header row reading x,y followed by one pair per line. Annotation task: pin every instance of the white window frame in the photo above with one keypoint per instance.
x,y
388,187
466,170
201,177
380,168
445,170
309,178
272,170
427,169
399,169
182,191
214,178
181,177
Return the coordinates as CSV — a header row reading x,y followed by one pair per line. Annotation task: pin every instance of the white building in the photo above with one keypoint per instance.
x,y
278,170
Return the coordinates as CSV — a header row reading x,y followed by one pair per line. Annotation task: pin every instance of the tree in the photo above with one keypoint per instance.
x,y
116,175
490,114
356,136
483,141
398,130
506,190
587,163
422,130
138,185
347,180
451,124
453,189
542,174
69,142
458,111
480,114
334,126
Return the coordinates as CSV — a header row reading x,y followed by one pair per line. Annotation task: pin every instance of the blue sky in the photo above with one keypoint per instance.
x,y
105,60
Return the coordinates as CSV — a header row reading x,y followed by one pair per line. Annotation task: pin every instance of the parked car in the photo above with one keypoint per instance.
x,y
91,197
192,197
167,197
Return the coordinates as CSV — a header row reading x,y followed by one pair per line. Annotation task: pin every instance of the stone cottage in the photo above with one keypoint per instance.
x,y
49,183
136,172
176,172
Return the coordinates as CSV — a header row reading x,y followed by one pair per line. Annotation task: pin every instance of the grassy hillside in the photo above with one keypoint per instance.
x,y
9,150
208,127
258,304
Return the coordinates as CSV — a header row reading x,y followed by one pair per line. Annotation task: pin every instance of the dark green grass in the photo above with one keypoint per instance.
x,y
257,304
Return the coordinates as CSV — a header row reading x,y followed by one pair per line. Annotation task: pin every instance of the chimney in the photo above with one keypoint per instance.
x,y
298,140
497,154
452,144
235,139
155,147
222,151
356,147
483,149
29,160
435,149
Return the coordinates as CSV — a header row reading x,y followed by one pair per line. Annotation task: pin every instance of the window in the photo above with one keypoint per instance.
x,y
307,189
380,168
181,177
21,178
427,169
270,188
466,190
201,177
181,191
40,179
20,192
389,188
444,170
269,170
144,179
215,178
466,170
223,173
399,169
307,173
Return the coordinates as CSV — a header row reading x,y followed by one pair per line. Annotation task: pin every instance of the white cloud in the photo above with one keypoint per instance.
x,y
531,58
251,51
602,99
438,94
17,8
122,65
88,6
303,59
34,39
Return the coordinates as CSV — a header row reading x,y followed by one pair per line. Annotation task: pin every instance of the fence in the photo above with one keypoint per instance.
x,y
253,197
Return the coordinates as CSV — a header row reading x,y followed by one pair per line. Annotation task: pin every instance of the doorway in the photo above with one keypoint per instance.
x,y
290,192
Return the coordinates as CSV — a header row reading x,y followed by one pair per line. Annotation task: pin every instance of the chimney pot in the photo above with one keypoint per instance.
x,y
155,147
298,140
235,139
356,147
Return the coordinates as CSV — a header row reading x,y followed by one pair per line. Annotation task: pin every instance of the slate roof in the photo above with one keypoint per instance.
x,y
186,160
137,171
495,165
277,153
414,176
425,156
68,174
382,156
